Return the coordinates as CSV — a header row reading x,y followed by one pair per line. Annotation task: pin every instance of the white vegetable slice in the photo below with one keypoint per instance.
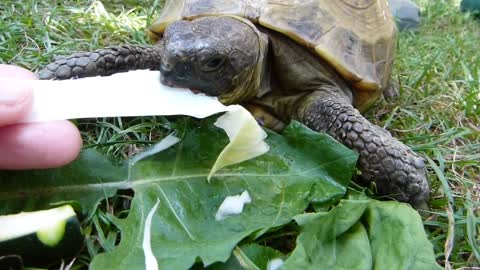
x,y
134,93
150,259
140,93
246,138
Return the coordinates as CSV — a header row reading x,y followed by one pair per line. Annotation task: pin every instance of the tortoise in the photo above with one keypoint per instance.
x,y
320,62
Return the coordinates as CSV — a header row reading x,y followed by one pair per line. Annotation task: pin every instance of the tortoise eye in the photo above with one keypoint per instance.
x,y
213,64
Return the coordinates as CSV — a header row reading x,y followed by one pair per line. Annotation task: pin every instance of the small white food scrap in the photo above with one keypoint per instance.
x,y
275,264
233,205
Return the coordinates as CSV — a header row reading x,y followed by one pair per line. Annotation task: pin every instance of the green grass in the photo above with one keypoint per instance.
x,y
438,112
438,70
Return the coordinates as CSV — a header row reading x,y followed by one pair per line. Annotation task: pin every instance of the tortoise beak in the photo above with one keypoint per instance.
x,y
170,75
168,78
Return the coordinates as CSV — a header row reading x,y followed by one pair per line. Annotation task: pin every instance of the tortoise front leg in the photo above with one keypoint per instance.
x,y
396,170
104,62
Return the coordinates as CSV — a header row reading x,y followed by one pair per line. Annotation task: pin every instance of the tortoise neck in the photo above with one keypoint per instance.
x,y
252,81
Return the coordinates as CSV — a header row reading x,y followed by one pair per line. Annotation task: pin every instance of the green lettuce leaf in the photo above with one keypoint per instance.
x,y
249,256
85,182
332,240
281,183
397,237
362,234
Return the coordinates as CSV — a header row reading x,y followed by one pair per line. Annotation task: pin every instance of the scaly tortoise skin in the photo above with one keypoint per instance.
x,y
320,62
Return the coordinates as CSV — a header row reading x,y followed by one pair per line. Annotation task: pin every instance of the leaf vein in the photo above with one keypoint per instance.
x,y
170,206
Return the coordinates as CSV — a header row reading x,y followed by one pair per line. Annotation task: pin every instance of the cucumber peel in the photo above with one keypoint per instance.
x,y
49,225
40,237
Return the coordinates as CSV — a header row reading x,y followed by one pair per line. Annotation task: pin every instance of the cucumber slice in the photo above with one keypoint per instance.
x,y
40,237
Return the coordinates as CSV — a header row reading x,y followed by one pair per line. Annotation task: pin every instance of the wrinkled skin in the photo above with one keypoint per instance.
x,y
218,55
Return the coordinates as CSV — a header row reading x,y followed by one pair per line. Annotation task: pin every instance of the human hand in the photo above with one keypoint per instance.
x,y
35,145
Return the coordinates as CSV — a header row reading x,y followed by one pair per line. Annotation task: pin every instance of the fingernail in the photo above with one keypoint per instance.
x,y
12,93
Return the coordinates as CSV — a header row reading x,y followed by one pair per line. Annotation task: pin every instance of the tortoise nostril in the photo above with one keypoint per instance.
x,y
165,66
168,67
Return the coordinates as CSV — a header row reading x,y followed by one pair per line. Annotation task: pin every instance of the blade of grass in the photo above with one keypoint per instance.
x,y
472,226
450,240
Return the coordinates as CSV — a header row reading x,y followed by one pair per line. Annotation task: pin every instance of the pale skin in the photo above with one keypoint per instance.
x,y
36,145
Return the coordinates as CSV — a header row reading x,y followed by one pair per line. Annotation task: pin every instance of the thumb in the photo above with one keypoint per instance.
x,y
15,94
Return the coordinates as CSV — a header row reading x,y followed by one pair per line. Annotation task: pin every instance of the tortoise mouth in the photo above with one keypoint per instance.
x,y
170,83
175,84
184,75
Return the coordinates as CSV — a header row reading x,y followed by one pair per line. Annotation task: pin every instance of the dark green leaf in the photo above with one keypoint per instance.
x,y
332,240
397,237
88,180
301,167
256,254
392,238
281,183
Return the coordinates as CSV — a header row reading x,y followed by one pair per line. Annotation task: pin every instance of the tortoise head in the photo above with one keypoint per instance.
x,y
214,55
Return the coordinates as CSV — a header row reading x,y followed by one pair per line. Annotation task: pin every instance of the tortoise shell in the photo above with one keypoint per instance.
x,y
356,37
